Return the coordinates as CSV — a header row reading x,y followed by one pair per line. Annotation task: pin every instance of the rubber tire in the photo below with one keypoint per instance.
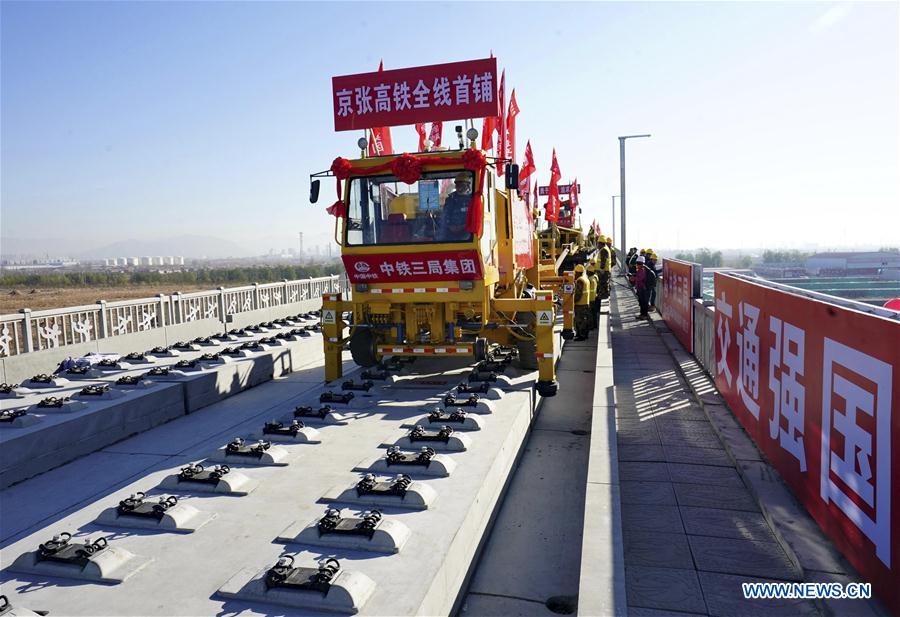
x,y
527,355
481,349
362,348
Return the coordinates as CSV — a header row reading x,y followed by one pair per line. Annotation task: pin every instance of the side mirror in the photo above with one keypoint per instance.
x,y
512,176
314,191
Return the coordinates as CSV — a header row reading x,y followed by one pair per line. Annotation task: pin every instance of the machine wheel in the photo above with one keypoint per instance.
x,y
547,388
527,354
568,335
362,347
481,349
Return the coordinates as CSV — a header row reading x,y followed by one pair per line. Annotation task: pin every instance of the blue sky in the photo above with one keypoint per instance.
x,y
774,124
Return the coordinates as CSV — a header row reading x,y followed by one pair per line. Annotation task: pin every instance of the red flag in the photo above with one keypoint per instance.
x,y
511,114
573,195
487,133
380,144
437,130
501,124
528,166
536,202
552,210
420,129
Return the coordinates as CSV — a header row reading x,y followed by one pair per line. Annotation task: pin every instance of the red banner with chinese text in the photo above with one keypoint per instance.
x,y
817,387
434,93
678,309
413,267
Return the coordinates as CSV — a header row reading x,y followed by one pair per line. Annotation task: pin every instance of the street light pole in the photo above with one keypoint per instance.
x,y
613,216
622,184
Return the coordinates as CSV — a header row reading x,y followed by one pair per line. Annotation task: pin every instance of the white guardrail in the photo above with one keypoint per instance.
x,y
29,330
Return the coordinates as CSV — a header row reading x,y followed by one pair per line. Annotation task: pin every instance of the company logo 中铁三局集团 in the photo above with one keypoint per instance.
x,y
361,266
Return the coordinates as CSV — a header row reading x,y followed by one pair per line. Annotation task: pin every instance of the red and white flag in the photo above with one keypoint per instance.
x,y
487,133
573,195
380,144
551,212
437,131
420,129
511,114
501,124
525,172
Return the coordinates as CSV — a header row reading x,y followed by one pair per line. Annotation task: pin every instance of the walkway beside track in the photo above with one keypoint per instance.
x,y
532,557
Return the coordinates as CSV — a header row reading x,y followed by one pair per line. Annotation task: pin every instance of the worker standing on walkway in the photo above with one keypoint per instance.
x,y
641,287
582,304
594,299
651,265
612,252
631,260
605,269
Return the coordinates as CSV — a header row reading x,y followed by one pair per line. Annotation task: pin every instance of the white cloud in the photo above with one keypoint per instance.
x,y
831,17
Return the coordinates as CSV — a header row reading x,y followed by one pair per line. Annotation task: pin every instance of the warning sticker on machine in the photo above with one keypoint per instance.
x,y
545,318
568,288
328,316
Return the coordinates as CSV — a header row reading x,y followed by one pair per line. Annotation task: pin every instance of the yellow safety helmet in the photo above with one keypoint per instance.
x,y
602,238
579,268
643,251
592,268
609,240
463,177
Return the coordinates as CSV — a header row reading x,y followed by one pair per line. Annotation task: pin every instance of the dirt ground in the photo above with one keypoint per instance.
x,y
14,299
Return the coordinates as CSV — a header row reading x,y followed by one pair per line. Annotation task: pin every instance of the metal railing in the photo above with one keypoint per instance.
x,y
28,330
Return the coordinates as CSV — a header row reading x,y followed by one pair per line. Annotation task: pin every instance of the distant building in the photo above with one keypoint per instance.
x,y
851,264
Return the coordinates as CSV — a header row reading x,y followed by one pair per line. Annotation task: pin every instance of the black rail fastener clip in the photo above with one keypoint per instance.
x,y
195,472
59,550
396,487
251,345
283,575
159,350
136,506
53,401
237,447
457,416
136,356
395,456
202,340
333,522
268,340
211,357
129,380
95,390
75,370
274,427
232,351
108,363
333,397
490,366
375,374
183,345
7,388
42,378
477,375
451,401
468,388
10,415
186,364
418,433
158,371
364,386
304,411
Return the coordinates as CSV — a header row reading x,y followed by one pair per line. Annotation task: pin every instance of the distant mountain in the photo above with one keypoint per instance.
x,y
185,246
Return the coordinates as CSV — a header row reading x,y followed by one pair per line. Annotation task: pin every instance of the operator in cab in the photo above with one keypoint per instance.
x,y
456,210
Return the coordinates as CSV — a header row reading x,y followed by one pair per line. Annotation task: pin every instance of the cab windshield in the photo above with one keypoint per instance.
x,y
384,210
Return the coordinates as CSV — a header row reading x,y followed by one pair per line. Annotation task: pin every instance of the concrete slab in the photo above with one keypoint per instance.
x,y
726,524
657,549
748,557
648,493
664,588
658,518
483,605
725,497
725,599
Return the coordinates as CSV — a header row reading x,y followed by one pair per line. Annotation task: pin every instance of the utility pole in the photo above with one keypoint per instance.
x,y
622,184
613,216
301,244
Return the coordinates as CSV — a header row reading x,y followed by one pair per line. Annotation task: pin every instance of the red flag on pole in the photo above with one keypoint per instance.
x,y
420,129
511,114
552,210
573,195
501,124
536,202
380,144
525,171
487,133
437,130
